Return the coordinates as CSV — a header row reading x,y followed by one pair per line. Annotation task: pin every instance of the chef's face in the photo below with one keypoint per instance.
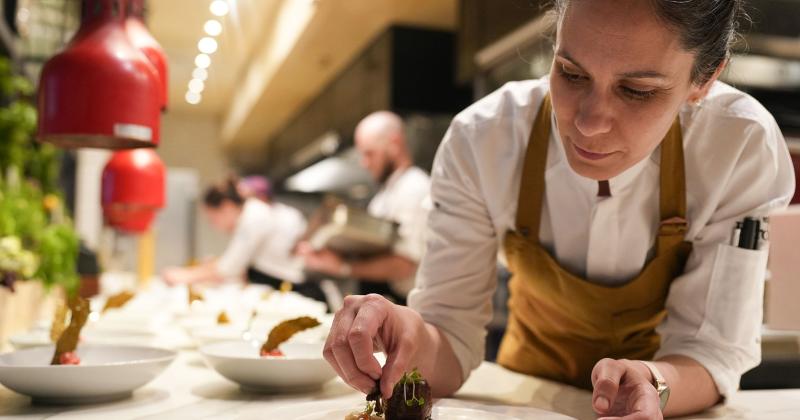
x,y
224,217
618,80
375,157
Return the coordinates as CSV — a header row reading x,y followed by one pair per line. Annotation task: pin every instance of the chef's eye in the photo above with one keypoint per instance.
x,y
570,76
638,94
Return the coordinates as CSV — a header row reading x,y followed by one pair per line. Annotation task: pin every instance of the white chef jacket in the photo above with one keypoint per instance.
x,y
263,239
737,165
401,199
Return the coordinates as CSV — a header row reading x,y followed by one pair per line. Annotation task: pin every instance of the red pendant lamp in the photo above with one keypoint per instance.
x,y
101,91
142,39
133,189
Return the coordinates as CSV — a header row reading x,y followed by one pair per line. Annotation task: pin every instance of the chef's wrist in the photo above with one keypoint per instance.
x,y
642,369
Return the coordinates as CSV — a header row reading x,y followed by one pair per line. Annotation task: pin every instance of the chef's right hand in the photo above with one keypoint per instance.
x,y
370,323
174,276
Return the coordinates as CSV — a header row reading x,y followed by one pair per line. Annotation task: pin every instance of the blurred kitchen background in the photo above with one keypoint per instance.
x,y
276,87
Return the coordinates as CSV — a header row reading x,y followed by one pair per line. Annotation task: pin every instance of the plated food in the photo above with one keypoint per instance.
x,y
68,341
283,332
223,319
444,409
193,296
276,365
411,400
105,372
301,368
117,301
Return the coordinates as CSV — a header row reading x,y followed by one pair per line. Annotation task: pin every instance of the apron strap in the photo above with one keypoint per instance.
x,y
672,198
531,188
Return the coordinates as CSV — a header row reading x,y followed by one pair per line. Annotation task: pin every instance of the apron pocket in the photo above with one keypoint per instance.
x,y
734,304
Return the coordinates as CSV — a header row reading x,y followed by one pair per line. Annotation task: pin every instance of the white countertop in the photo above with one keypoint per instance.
x,y
188,389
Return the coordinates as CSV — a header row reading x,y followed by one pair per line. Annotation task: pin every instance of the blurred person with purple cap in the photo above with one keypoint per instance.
x,y
256,186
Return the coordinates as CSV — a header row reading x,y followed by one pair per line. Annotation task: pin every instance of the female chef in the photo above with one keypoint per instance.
x,y
611,187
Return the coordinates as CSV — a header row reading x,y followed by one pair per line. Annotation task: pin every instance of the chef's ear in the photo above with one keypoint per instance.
x,y
700,92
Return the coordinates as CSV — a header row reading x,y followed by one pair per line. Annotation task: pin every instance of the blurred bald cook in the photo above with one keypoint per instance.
x,y
381,143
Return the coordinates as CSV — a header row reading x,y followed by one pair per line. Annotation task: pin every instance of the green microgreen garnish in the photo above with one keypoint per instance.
x,y
413,378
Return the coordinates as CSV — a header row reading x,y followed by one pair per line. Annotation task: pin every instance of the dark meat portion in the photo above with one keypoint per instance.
x,y
375,396
410,400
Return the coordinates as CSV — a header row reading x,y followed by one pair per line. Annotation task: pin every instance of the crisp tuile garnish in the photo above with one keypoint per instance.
x,y
285,330
193,296
59,321
68,342
119,300
286,287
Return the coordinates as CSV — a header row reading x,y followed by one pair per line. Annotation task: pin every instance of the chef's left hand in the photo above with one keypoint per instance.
x,y
623,389
322,261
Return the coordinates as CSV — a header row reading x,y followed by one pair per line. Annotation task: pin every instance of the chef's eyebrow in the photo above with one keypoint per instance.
x,y
639,74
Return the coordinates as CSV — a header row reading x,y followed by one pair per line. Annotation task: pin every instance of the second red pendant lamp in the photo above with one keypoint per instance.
x,y
101,91
133,187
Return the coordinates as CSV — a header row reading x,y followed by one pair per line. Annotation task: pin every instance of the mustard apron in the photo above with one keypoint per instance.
x,y
560,324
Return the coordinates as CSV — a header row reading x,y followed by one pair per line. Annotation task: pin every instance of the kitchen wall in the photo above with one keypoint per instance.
x,y
192,153
191,142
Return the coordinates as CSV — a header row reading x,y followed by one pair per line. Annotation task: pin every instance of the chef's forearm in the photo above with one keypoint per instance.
x,y
387,267
442,371
691,387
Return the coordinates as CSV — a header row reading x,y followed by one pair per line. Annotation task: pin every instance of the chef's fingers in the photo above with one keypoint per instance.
x,y
372,314
397,360
606,377
337,349
341,324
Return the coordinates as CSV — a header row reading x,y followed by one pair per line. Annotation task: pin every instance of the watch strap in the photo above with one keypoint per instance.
x,y
659,383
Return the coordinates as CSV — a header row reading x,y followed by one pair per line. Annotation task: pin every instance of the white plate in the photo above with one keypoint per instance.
x,y
215,334
30,339
439,413
105,372
445,409
302,369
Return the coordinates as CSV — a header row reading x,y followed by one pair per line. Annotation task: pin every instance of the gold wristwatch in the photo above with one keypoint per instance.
x,y
660,383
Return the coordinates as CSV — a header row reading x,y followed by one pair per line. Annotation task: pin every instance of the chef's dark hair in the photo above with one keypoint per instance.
x,y
707,28
216,195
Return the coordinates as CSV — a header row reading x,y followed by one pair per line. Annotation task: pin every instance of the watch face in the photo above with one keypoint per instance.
x,y
663,395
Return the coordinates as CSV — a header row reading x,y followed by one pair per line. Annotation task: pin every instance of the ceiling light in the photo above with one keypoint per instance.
x,y
219,8
196,85
202,61
199,73
213,27
193,98
207,45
